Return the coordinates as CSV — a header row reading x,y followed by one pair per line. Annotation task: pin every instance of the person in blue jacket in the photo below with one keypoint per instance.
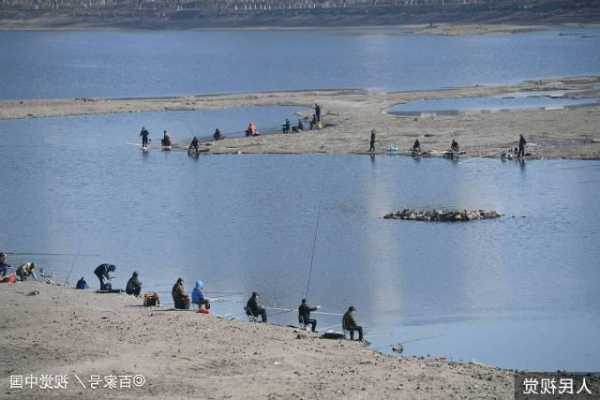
x,y
4,267
81,284
198,296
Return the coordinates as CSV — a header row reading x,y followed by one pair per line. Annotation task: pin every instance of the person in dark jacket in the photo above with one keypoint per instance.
x,y
217,135
194,144
522,143
134,286
81,284
255,309
4,267
454,146
103,272
285,128
144,134
166,140
304,315
180,298
416,147
349,324
318,112
372,142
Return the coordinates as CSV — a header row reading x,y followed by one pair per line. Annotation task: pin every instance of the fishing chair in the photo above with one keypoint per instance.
x,y
251,317
345,330
303,325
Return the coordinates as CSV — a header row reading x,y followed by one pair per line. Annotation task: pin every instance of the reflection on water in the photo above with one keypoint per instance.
x,y
509,101
516,292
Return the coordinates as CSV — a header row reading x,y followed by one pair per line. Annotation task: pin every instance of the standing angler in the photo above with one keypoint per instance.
x,y
372,142
522,143
144,134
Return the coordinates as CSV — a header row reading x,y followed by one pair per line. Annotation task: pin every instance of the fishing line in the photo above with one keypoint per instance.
x,y
418,339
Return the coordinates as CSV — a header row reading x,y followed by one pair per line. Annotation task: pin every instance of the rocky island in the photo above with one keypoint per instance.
x,y
434,215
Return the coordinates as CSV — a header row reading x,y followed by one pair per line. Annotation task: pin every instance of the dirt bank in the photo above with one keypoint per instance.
x,y
187,355
349,116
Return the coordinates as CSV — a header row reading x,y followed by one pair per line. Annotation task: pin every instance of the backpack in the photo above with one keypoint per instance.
x,y
151,299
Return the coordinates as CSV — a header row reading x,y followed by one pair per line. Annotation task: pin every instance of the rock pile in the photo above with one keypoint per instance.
x,y
442,215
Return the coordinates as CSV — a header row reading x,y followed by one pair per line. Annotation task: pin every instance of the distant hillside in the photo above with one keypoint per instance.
x,y
244,13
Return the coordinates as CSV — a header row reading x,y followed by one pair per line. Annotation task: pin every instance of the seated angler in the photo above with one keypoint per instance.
x,y
304,315
81,284
454,146
4,267
253,308
198,296
217,135
134,286
180,299
349,323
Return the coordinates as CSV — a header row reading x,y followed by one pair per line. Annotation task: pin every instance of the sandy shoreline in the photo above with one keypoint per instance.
x,y
349,115
182,355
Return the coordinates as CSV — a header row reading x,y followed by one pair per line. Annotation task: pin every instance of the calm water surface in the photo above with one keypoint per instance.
x,y
137,64
518,292
508,101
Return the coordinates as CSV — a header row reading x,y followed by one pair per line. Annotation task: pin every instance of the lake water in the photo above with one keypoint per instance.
x,y
519,292
137,64
508,101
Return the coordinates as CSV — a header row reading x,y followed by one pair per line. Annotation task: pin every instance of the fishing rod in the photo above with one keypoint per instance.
x,y
73,262
418,339
312,255
398,347
14,253
313,312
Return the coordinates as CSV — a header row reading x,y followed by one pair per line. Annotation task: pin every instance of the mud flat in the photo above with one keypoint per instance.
x,y
349,116
182,355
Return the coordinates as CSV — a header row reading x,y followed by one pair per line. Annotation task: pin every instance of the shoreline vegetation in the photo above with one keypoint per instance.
x,y
350,114
62,331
